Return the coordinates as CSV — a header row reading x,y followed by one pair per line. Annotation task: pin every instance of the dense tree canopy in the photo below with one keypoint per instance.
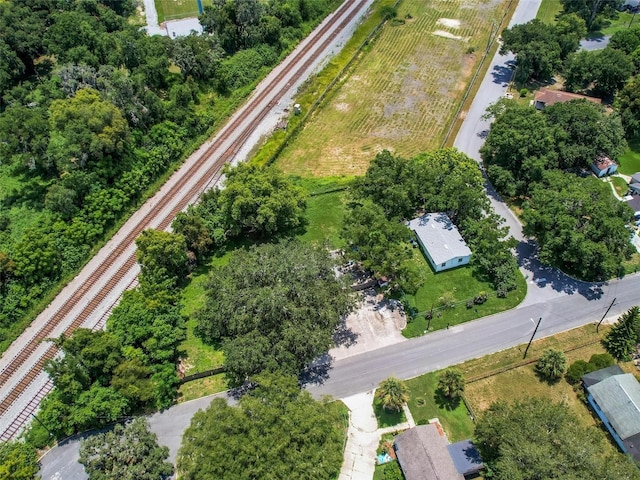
x,y
579,225
277,431
593,12
540,439
274,307
540,48
524,143
603,71
129,452
18,461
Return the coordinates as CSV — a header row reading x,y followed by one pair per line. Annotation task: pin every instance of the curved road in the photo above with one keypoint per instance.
x,y
562,303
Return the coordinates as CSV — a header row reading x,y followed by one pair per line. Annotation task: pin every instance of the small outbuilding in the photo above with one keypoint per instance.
x,y
635,178
615,397
603,166
440,241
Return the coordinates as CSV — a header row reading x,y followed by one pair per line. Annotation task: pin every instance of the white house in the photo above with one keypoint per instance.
x,y
440,241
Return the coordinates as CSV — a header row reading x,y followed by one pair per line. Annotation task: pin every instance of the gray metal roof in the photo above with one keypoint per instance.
x,y
440,237
619,398
599,375
423,455
465,457
635,178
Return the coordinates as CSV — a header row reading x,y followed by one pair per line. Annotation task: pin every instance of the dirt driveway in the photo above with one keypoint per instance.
x,y
376,323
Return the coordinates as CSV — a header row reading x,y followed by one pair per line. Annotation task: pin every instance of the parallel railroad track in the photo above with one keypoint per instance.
x,y
185,191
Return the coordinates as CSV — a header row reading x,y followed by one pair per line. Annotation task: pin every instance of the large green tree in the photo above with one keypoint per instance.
x,y
451,383
18,461
541,439
129,452
277,431
163,259
273,307
260,201
621,340
552,364
579,225
603,71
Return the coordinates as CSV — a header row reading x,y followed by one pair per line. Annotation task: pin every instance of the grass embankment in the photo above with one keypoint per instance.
x,y
454,287
507,377
549,10
401,95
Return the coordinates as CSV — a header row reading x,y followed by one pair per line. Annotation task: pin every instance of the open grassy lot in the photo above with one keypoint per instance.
x,y
620,185
175,9
403,92
630,161
453,286
425,405
548,10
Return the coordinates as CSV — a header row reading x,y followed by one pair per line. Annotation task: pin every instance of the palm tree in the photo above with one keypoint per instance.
x,y
552,364
393,394
451,383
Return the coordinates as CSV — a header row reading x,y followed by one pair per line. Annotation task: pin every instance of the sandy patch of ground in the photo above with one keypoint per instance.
x,y
442,33
448,22
342,107
376,323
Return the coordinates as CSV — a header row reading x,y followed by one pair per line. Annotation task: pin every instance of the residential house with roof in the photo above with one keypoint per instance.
x,y
424,453
440,241
546,97
603,166
615,397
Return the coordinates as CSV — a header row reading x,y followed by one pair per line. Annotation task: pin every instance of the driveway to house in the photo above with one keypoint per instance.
x,y
596,43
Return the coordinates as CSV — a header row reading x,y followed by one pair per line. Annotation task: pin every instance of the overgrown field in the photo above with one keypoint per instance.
x,y
175,9
402,93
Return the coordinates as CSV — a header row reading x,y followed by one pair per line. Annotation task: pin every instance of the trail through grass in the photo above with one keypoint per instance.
x,y
403,92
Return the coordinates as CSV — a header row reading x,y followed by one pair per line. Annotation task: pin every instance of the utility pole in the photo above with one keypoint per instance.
x,y
531,340
605,314
45,427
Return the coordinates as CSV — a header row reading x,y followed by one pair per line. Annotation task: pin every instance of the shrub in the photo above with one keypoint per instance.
x,y
480,298
576,370
471,50
552,364
601,360
524,92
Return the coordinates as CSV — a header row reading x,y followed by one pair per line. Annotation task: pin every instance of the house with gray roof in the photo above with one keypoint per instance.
x,y
440,241
615,397
424,453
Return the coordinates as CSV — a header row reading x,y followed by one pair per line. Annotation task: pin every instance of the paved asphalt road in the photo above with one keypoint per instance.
x,y
561,302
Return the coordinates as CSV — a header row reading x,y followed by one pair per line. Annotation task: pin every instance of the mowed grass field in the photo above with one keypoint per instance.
x,y
175,9
403,92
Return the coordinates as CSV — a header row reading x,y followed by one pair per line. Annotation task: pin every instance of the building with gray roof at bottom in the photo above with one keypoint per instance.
x,y
440,241
615,397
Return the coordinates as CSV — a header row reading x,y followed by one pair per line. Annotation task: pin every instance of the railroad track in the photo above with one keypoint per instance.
x,y
182,191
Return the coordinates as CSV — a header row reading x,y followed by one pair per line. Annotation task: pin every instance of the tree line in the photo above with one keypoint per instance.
x,y
93,111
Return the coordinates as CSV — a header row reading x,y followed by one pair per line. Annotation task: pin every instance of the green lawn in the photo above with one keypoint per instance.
x,y
548,10
425,405
387,418
175,9
630,160
325,210
614,25
461,284
620,185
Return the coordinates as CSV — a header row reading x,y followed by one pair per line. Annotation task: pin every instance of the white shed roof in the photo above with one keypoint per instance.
x,y
440,237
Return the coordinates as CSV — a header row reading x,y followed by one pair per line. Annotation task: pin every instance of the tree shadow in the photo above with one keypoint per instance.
x,y
317,372
446,403
344,336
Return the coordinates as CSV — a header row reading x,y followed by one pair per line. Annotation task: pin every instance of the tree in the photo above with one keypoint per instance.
x,y
579,225
273,307
87,132
260,201
163,259
393,394
628,104
381,245
536,438
277,429
129,452
552,364
605,71
451,383
591,10
18,461
540,47
621,340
